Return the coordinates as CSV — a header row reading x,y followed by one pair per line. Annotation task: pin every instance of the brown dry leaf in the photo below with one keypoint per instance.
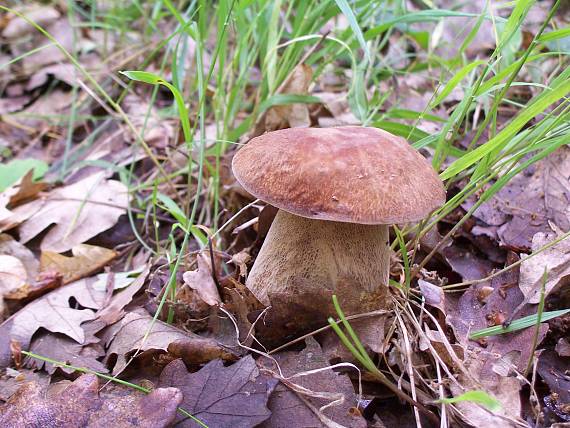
x,y
62,72
291,115
158,132
234,396
13,275
491,361
530,203
42,15
240,260
290,410
86,260
63,349
563,347
55,312
23,190
45,111
553,369
113,312
11,380
79,405
127,336
556,261
202,282
76,213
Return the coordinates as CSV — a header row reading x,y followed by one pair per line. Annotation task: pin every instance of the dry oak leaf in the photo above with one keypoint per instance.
x,y
234,396
128,335
76,213
86,260
79,405
55,312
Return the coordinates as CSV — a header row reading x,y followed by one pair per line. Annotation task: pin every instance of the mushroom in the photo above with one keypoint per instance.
x,y
337,191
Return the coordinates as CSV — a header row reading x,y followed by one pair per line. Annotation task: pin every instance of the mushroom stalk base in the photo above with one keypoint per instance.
x,y
303,262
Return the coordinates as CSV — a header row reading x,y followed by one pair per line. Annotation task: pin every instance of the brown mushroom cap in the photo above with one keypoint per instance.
x,y
350,174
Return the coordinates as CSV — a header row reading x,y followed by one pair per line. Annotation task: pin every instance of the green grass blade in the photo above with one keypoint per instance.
x,y
518,324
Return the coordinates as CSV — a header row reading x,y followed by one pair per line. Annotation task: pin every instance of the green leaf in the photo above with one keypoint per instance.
x,y
16,169
173,209
533,109
347,11
476,396
518,324
454,81
407,131
555,35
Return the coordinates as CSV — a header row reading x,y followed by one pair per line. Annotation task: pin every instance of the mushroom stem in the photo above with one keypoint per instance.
x,y
306,261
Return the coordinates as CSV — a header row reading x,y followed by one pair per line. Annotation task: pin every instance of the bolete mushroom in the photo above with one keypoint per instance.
x,y
337,190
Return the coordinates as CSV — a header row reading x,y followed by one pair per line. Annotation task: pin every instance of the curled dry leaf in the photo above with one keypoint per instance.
x,y
86,260
234,396
202,282
80,405
55,312
76,213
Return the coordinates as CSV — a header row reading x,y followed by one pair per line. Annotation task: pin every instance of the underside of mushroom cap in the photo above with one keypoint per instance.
x,y
349,174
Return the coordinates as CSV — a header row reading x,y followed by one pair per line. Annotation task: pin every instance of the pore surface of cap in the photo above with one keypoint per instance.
x,y
349,174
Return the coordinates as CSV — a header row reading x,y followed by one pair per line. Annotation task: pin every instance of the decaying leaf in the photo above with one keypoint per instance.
x,y
530,202
128,335
55,312
76,213
61,348
288,409
202,282
556,261
553,369
86,260
234,396
491,361
79,405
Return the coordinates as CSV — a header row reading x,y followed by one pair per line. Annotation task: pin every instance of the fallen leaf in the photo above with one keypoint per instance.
x,y
76,213
128,335
13,275
291,115
21,191
55,312
113,312
63,349
86,260
491,361
563,347
79,405
202,282
41,15
234,396
12,380
240,260
556,261
553,369
530,202
287,409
